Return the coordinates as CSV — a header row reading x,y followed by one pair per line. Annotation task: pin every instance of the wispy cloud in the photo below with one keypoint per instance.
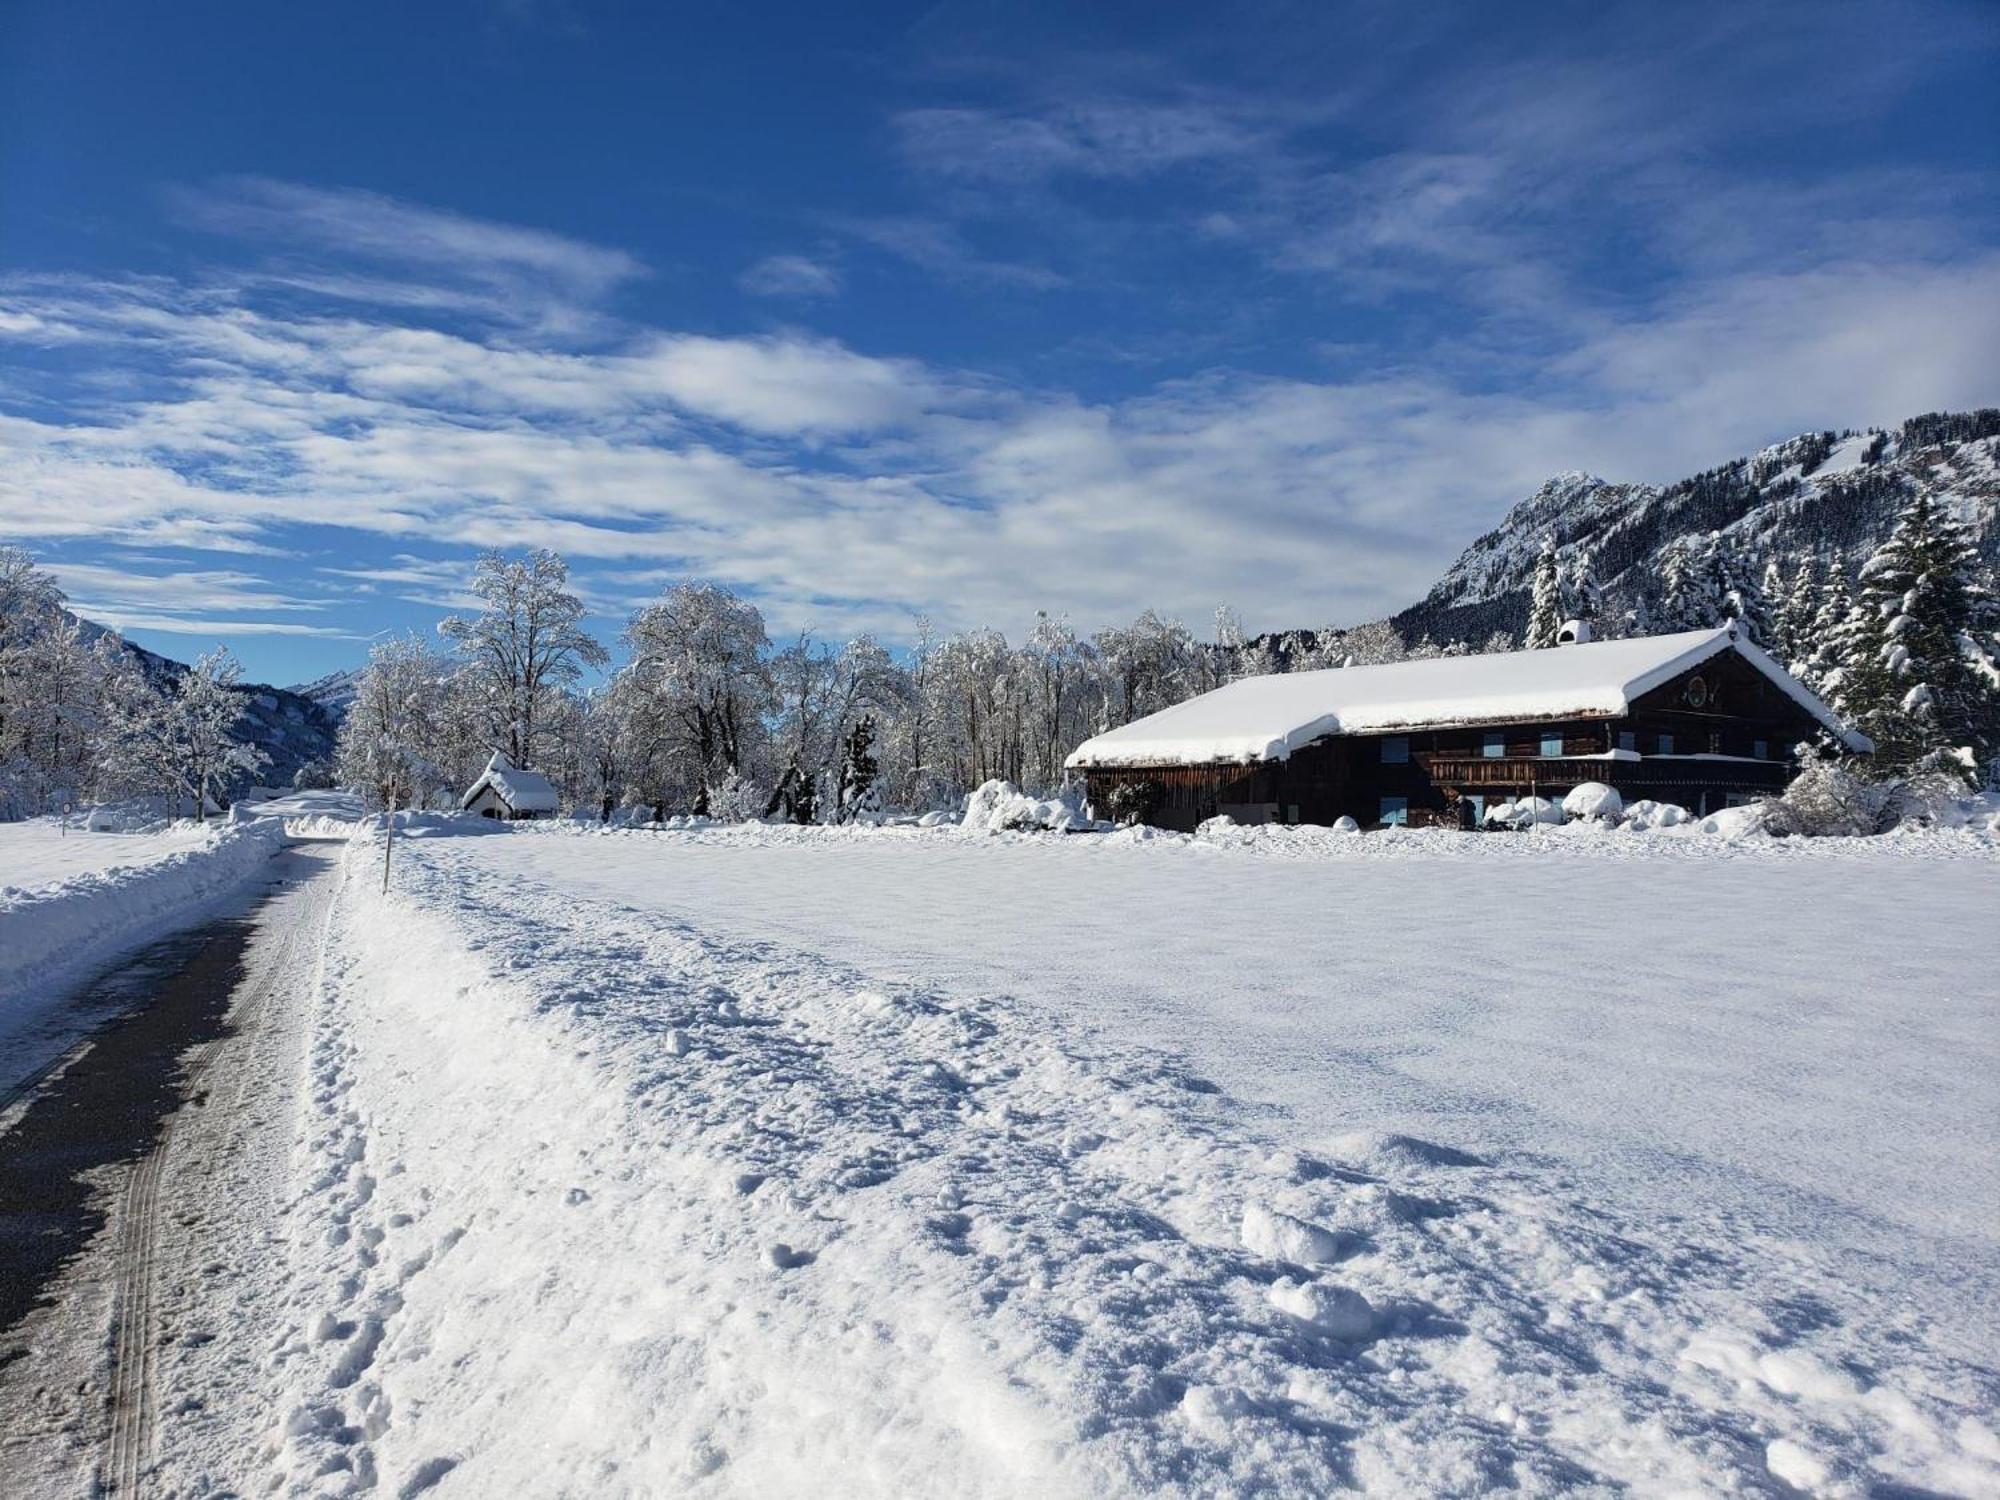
x,y
502,268
789,276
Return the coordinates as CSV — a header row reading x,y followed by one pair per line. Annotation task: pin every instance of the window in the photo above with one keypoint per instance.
x,y
1627,740
1292,813
1761,749
1395,810
1396,750
1495,745
1478,810
1666,744
1552,742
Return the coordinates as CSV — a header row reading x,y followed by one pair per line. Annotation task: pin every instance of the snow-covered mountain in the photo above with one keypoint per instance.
x,y
333,692
1825,494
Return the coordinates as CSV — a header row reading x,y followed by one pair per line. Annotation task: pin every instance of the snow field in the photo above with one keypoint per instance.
x,y
600,1196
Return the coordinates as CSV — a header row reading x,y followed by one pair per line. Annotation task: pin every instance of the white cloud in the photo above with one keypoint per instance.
x,y
789,276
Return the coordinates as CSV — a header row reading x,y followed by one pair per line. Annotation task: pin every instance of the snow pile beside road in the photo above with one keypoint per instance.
x,y
54,932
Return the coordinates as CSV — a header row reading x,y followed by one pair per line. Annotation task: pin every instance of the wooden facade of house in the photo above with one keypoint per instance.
x,y
1723,731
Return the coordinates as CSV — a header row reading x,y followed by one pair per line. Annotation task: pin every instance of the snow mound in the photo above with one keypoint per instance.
x,y
1001,807
1339,1312
1594,802
1645,815
1739,822
1279,1236
1525,813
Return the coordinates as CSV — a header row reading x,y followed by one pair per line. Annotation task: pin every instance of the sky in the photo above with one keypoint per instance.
x,y
966,310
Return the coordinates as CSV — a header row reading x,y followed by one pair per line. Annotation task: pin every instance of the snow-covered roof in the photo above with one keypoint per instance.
x,y
1267,718
522,791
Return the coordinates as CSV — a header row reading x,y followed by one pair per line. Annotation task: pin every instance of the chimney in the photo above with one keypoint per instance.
x,y
1573,633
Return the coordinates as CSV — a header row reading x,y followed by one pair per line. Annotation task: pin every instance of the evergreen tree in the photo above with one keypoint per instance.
x,y
1680,606
1927,611
1731,593
1583,598
1821,661
1545,606
1794,608
859,771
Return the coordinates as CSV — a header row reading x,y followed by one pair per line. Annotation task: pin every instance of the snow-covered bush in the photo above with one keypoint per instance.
x,y
1345,824
1526,812
1829,799
1594,802
1000,807
1645,815
735,799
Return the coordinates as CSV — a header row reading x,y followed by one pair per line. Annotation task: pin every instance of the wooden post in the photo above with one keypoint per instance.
x,y
389,841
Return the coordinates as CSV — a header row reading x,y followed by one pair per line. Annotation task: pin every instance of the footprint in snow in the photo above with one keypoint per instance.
x,y
785,1258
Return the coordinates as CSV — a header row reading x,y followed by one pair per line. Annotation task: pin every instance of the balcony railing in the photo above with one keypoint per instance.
x,y
1523,770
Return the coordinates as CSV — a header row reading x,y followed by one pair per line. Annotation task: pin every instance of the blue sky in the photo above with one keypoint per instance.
x,y
966,309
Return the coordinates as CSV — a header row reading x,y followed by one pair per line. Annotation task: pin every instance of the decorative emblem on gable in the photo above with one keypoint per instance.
x,y
1697,691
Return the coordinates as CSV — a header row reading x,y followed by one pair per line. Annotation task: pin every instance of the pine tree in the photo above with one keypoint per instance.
x,y
859,771
1545,606
1731,592
1583,598
1793,613
1927,608
1821,663
1680,592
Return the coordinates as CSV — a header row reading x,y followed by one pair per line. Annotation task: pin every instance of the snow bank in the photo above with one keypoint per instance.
x,y
55,933
1594,802
1001,807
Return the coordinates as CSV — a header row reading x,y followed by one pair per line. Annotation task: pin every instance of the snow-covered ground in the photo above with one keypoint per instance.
x,y
892,1161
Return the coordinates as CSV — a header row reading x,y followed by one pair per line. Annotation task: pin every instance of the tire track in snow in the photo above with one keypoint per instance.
x,y
282,958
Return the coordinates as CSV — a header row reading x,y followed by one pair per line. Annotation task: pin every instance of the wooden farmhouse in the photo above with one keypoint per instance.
x,y
1702,718
504,792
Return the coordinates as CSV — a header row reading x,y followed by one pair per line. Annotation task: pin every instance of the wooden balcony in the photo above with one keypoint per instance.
x,y
1522,771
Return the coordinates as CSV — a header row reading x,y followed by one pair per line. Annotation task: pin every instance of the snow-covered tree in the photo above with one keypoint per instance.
x,y
391,737
526,645
698,664
1583,596
181,743
1683,602
1927,611
1794,603
1545,599
859,772
1732,591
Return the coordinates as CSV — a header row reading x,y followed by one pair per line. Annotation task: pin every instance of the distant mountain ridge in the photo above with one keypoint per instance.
x,y
292,728
333,692
1830,495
